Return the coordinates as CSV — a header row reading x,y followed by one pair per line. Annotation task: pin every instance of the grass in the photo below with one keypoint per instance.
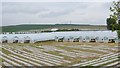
x,y
6,51
49,43
62,43
89,43
26,58
0,49
27,50
71,49
56,53
66,48
73,60
1,60
119,57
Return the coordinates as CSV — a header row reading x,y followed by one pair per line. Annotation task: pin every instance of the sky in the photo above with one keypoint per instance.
x,y
15,12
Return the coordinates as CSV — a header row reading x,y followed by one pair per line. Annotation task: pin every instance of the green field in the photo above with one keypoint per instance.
x,y
26,27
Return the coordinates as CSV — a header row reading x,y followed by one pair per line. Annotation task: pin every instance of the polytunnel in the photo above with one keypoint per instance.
x,y
32,38
18,38
79,36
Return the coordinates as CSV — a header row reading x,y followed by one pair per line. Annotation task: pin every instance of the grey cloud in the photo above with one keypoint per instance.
x,y
22,8
13,10
56,14
84,5
24,12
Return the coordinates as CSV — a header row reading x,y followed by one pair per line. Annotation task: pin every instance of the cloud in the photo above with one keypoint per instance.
x,y
0,14
57,0
22,8
55,12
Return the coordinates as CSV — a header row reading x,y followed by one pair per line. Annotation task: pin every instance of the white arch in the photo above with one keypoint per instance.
x,y
16,39
4,39
27,39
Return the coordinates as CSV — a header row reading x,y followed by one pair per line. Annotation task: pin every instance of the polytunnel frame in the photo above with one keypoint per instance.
x,y
86,39
16,39
27,39
80,38
97,39
71,38
4,39
93,39
76,39
59,38
112,40
105,38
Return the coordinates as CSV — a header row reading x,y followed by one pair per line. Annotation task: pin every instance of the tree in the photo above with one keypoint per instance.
x,y
113,22
115,10
110,23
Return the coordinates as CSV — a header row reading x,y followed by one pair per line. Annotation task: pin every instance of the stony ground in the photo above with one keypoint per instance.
x,y
59,54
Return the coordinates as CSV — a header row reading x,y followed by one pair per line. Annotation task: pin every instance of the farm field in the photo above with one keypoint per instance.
x,y
59,54
34,27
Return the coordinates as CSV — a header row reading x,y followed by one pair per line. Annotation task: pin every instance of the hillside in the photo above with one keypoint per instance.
x,y
26,27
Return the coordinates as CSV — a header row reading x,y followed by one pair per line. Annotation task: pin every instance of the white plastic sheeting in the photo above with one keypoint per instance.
x,y
82,35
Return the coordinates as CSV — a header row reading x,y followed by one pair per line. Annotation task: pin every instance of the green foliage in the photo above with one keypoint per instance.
x,y
110,23
119,57
117,26
69,30
118,33
115,10
62,30
113,23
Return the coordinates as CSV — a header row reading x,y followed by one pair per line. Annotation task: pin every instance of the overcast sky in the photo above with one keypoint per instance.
x,y
14,13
